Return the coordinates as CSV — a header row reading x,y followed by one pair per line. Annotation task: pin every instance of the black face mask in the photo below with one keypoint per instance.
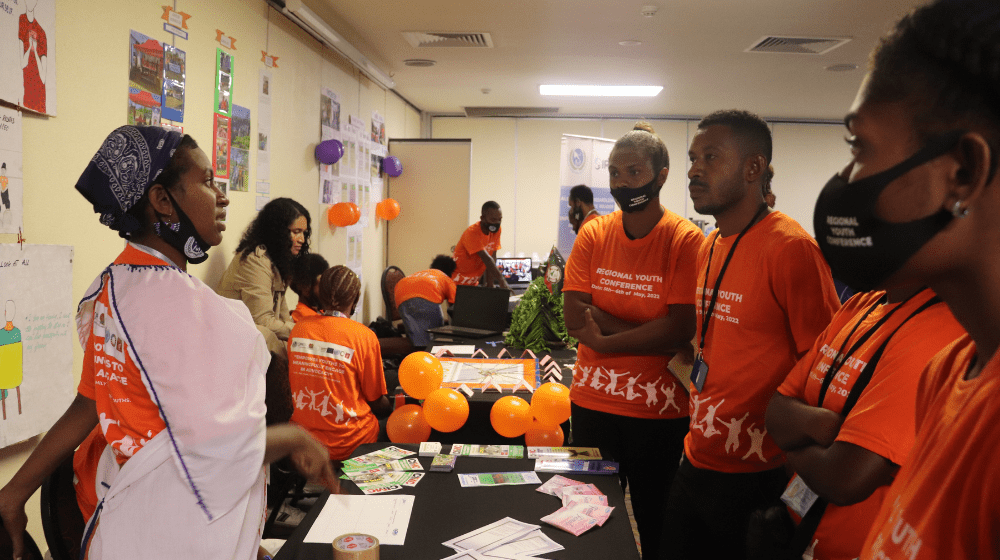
x,y
489,228
183,236
637,199
864,251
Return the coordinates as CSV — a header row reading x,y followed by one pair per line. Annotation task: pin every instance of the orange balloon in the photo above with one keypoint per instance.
x,y
408,425
543,436
355,213
419,374
510,416
446,410
343,214
550,404
388,209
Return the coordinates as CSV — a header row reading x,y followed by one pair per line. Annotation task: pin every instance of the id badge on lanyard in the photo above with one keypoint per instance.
x,y
699,371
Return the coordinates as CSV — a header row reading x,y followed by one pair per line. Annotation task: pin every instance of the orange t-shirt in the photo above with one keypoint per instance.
x,y
945,502
635,280
882,420
302,311
589,218
108,365
335,370
776,296
432,285
469,268
85,461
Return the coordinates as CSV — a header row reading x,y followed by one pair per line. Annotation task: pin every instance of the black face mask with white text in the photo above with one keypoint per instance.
x,y
489,228
863,250
183,236
636,199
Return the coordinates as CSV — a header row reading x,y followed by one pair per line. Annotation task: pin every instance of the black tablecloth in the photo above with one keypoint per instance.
x,y
443,510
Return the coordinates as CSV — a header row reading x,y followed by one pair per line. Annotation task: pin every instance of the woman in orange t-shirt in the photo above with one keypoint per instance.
x,y
920,204
335,369
629,299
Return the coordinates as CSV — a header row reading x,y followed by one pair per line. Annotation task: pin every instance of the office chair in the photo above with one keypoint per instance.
x,y
61,518
31,551
390,277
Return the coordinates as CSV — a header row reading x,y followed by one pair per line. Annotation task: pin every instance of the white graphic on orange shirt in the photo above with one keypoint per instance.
x,y
756,442
709,420
612,381
630,393
670,394
300,399
696,401
650,389
585,371
126,445
903,534
351,415
340,413
596,383
735,427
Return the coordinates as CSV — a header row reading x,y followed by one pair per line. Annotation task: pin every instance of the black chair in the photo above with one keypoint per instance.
x,y
31,551
390,277
61,518
285,483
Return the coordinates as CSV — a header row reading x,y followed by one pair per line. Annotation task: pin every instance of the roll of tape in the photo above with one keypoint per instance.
x,y
355,546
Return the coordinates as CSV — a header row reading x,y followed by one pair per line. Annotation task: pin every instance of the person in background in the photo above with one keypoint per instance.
x,y
922,197
192,480
305,283
335,369
763,295
844,416
477,248
629,300
259,273
419,296
581,207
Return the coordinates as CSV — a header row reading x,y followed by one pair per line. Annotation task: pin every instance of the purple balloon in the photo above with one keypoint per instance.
x,y
329,152
392,167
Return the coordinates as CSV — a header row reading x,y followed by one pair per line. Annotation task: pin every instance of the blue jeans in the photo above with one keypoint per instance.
x,y
418,315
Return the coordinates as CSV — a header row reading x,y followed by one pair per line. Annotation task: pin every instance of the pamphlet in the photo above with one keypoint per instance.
x,y
494,451
498,479
576,466
564,453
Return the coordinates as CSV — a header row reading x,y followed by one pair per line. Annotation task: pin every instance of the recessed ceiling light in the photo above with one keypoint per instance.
x,y
419,62
600,91
842,67
630,43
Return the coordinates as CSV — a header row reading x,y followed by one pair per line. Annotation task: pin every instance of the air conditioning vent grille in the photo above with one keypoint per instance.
x,y
510,111
422,39
797,45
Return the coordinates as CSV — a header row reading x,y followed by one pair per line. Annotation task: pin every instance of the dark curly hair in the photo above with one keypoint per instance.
x,y
270,230
944,58
444,263
643,137
752,131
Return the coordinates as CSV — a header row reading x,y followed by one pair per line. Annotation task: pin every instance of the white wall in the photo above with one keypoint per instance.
x,y
515,161
92,58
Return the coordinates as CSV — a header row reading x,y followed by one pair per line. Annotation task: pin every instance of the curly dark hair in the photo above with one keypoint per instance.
x,y
944,58
270,230
752,131
643,137
444,263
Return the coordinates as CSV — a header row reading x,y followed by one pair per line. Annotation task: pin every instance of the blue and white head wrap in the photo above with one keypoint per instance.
x,y
128,162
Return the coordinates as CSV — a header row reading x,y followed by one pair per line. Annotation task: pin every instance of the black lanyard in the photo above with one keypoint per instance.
x,y
841,357
722,272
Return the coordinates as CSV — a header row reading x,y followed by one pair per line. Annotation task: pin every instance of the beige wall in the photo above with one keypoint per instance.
x,y
516,163
92,57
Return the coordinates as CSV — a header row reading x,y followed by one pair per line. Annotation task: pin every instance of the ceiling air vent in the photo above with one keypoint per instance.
x,y
797,45
463,40
510,111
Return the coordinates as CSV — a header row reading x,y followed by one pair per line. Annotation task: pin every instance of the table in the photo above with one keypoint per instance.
x,y
443,510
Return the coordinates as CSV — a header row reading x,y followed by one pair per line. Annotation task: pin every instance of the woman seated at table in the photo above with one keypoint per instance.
x,y
259,273
335,369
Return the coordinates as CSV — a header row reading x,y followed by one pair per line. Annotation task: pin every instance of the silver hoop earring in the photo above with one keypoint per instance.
x,y
957,210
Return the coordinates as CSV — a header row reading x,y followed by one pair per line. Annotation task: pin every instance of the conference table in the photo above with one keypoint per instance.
x,y
443,510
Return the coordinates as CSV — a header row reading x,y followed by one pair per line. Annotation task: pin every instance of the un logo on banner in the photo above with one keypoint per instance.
x,y
577,159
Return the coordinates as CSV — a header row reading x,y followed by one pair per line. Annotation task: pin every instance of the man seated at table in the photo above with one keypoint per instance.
x,y
335,369
419,297
477,248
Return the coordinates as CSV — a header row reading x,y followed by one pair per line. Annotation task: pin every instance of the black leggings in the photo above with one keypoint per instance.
x,y
647,451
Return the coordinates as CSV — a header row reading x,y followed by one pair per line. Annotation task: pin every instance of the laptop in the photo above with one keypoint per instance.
x,y
479,312
516,271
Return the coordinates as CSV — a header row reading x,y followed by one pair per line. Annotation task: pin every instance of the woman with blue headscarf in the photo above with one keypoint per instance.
x,y
173,373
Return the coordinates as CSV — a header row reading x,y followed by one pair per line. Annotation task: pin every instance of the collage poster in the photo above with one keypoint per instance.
x,y
28,54
264,91
174,62
220,146
145,80
239,154
11,179
329,117
223,82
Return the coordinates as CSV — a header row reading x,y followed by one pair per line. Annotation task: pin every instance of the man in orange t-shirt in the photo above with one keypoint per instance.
x,y
629,299
477,248
419,296
581,207
335,369
850,461
763,295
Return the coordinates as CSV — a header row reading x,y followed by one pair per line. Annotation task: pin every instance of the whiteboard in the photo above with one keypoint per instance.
x,y
36,338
